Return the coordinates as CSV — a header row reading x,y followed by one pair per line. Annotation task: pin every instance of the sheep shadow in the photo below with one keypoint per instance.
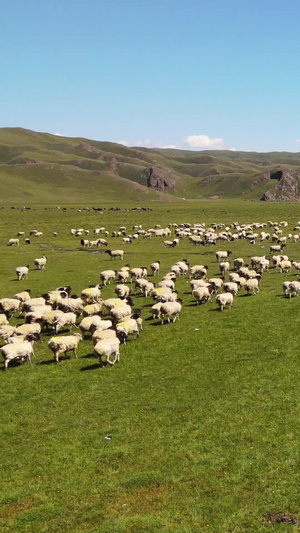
x,y
95,366
90,356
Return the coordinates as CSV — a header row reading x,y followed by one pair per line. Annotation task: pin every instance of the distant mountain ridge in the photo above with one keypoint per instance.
x,y
41,167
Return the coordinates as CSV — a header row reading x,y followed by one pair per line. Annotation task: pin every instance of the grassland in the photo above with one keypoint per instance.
x,y
204,413
41,168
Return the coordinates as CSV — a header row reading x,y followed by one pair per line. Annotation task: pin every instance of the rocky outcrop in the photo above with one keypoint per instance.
x,y
88,148
157,179
262,179
23,161
286,188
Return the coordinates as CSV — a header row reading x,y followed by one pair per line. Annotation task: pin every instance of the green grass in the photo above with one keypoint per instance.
x,y
204,413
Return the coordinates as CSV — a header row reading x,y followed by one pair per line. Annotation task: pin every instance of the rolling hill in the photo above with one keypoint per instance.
x,y
44,168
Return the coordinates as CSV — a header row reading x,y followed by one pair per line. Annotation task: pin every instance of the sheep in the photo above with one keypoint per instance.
x,y
7,331
202,294
252,285
3,320
94,322
27,241
147,288
285,266
121,312
66,319
224,267
294,288
110,303
168,244
285,288
238,263
195,283
106,276
115,254
155,310
47,318
231,287
71,305
28,329
296,265
102,333
163,294
23,296
123,275
18,351
277,247
107,348
40,262
64,344
127,240
155,267
92,309
222,255
169,283
169,309
138,272
32,302
22,272
91,295
13,242
224,299
122,291
9,306
198,271
129,327
216,283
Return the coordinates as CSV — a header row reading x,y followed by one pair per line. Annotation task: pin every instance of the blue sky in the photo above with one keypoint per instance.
x,y
195,74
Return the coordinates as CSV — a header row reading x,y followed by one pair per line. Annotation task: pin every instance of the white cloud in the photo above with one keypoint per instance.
x,y
204,141
59,134
147,143
232,149
125,143
166,146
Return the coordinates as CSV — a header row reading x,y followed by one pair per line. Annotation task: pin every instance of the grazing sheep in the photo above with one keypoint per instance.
x,y
7,331
40,262
232,287
224,299
198,271
294,288
164,294
123,275
107,348
107,276
95,323
238,263
28,329
47,319
22,272
71,305
66,319
110,303
296,265
168,244
169,283
138,272
115,254
91,295
68,343
31,303
13,242
285,266
169,309
277,247
285,288
16,352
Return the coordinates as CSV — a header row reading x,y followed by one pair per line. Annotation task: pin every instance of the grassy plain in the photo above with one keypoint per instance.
x,y
204,413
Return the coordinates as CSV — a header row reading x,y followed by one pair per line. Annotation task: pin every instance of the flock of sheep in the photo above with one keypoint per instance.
x,y
109,322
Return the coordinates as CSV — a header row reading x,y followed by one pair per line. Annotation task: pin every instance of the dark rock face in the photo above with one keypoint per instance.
x,y
88,148
286,188
156,179
262,179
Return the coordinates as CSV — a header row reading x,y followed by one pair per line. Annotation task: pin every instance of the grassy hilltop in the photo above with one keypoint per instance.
x,y
43,168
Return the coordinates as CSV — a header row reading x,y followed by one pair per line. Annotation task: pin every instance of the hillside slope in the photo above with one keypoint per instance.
x,y
40,167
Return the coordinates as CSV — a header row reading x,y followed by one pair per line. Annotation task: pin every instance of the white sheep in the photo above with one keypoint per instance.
x,y
123,275
102,333
68,343
224,299
121,312
94,322
40,262
138,272
115,254
285,266
169,309
164,294
285,288
18,351
294,288
9,305
107,348
28,329
131,326
107,276
232,287
155,310
7,331
91,295
224,267
198,271
22,272
252,285
155,267
222,255
66,319
202,294
3,320
13,242
32,302
122,291
23,296
71,305
92,309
